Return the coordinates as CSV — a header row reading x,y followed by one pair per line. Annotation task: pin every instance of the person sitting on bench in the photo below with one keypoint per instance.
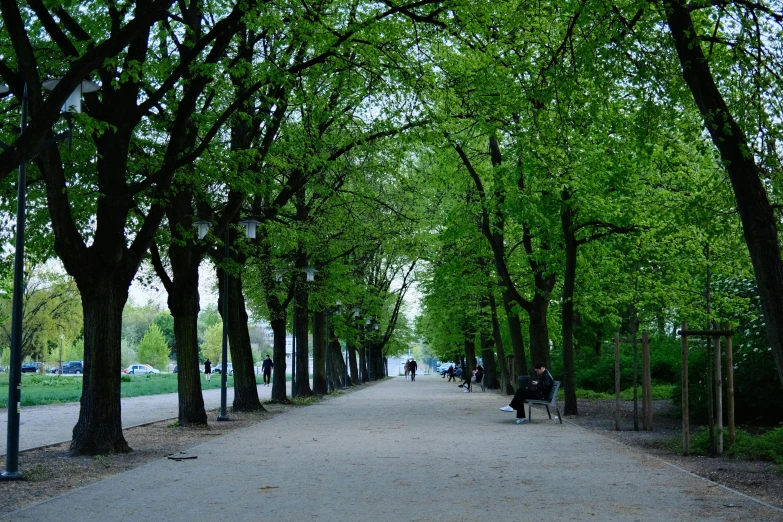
x,y
477,375
540,391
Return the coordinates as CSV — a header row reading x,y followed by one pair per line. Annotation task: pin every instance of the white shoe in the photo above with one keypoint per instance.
x,y
520,421
466,390
506,408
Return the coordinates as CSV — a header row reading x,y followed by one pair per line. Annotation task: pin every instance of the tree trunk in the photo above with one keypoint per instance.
x,y
336,361
352,364
319,353
470,353
302,342
505,380
487,343
517,342
569,280
279,358
758,219
183,303
99,428
245,387
539,330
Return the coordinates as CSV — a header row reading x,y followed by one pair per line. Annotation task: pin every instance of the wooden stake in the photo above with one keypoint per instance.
x,y
718,398
617,381
646,383
730,386
686,426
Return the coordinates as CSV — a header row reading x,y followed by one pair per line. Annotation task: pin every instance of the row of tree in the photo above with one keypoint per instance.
x,y
527,155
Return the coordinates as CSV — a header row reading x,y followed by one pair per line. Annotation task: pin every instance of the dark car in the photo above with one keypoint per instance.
x,y
33,367
74,367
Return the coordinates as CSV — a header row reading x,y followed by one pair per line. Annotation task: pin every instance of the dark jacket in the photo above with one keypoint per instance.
x,y
267,365
544,386
413,366
207,367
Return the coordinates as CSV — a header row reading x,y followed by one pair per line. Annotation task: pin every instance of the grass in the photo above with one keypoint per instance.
x,y
766,446
659,392
38,390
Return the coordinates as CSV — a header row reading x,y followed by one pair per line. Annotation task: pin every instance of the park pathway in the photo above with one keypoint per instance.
x,y
402,451
53,423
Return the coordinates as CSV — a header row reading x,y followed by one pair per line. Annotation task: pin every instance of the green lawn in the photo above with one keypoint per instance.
x,y
52,389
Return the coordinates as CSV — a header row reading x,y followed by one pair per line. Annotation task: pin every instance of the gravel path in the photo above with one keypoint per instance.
x,y
386,454
52,424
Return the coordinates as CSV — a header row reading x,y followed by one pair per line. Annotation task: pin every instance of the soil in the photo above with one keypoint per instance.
x,y
50,471
761,480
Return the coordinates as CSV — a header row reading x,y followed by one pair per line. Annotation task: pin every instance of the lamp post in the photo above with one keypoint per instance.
x,y
15,374
249,225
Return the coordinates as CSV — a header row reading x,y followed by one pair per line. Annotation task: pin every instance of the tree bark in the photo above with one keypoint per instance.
x,y
336,361
183,303
245,387
352,363
487,343
569,281
517,341
539,330
99,428
319,353
758,219
278,323
505,379
302,341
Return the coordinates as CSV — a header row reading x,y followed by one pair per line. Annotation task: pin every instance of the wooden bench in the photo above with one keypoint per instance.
x,y
551,402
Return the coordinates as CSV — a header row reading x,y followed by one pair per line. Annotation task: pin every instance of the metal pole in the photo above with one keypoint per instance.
x,y
224,356
15,375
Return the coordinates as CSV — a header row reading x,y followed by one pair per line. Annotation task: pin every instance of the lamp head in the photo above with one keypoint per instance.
x,y
203,227
310,274
338,307
74,102
250,227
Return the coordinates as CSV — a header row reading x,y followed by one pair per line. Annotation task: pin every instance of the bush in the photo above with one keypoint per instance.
x,y
767,446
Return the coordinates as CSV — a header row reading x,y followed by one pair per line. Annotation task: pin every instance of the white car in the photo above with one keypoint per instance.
x,y
140,369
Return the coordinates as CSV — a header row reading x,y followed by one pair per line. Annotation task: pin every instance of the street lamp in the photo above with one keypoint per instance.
x,y
15,374
202,226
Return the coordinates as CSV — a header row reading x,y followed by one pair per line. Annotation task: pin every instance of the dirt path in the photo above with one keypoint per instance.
x,y
53,423
387,453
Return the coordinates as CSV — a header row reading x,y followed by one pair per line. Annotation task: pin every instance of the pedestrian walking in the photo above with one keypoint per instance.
x,y
208,369
413,367
267,366
407,368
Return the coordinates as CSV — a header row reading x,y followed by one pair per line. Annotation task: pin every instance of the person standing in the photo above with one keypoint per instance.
x,y
541,390
266,367
413,367
208,369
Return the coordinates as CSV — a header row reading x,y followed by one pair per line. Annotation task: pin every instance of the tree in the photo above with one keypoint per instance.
x,y
153,348
212,347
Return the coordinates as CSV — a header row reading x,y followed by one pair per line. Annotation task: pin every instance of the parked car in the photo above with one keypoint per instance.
x,y
33,367
74,367
140,369
219,367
